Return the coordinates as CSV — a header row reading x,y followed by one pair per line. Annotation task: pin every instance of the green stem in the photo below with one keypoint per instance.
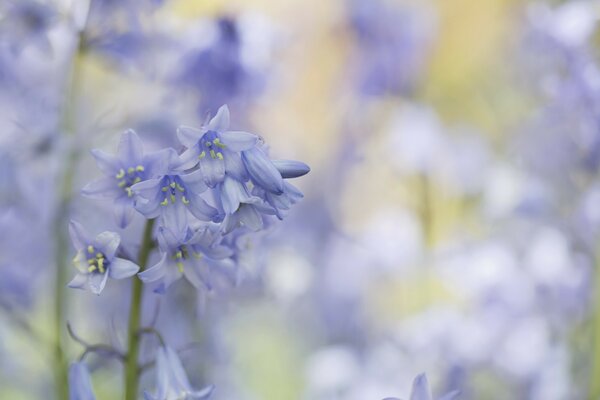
x,y
135,313
62,241
594,393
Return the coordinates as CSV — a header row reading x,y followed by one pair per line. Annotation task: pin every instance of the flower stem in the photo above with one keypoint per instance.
x,y
594,393
135,313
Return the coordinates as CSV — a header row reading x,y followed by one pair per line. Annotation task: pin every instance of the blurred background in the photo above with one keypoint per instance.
x,y
450,221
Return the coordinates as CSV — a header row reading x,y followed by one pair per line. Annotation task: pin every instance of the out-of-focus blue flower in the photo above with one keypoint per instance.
x,y
96,259
171,196
216,149
218,71
26,22
172,381
128,167
195,256
80,383
421,391
393,43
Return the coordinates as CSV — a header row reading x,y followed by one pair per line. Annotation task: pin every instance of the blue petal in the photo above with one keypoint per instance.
x,y
162,374
189,136
169,239
157,163
188,159
156,272
78,282
107,163
220,121
107,243
451,396
80,383
234,166
420,388
120,268
213,170
201,209
175,217
102,188
79,236
290,168
147,189
233,193
262,171
194,182
238,140
178,374
123,211
131,149
204,393
97,282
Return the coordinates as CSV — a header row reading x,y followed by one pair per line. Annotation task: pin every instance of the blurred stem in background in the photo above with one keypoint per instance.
x,y
594,377
131,376
69,130
426,210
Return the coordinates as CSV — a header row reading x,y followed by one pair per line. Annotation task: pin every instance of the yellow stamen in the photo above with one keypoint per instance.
x,y
180,266
137,180
130,170
184,200
202,155
121,174
164,202
90,249
139,168
165,188
180,188
212,153
91,268
173,184
173,198
219,156
122,184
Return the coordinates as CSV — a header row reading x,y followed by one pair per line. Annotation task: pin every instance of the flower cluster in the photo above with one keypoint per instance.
x,y
224,180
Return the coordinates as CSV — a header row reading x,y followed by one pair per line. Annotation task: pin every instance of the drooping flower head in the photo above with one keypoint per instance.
x,y
172,381
195,256
216,149
80,383
129,166
96,259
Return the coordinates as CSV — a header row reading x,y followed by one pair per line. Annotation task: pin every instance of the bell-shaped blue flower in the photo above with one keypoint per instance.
x,y
241,208
194,255
216,149
96,259
172,197
262,171
80,383
421,391
172,381
129,166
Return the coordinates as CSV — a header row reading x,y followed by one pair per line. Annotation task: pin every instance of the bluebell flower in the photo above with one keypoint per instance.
x,y
171,196
421,391
193,255
129,166
217,72
241,208
172,381
96,259
80,383
216,149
